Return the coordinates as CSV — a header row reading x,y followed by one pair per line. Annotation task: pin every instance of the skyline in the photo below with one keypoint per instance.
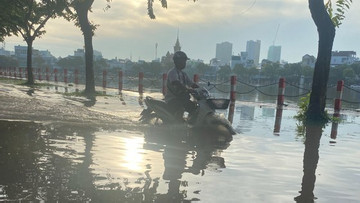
x,y
125,29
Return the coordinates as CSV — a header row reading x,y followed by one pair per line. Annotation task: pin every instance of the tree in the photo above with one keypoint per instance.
x,y
76,62
78,11
239,70
272,70
28,18
325,22
224,72
7,61
201,68
151,10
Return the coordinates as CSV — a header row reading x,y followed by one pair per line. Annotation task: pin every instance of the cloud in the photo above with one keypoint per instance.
x,y
126,28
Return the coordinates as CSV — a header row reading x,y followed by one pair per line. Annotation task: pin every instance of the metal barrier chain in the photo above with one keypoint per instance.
x,y
220,90
271,95
214,84
351,102
352,89
245,92
299,95
152,82
297,86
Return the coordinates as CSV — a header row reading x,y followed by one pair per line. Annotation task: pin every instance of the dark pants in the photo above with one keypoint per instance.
x,y
180,104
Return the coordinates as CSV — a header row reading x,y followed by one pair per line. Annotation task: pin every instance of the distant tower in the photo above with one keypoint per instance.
x,y
253,51
274,54
177,46
224,52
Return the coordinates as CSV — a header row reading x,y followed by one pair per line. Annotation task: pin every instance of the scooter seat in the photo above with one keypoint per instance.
x,y
151,102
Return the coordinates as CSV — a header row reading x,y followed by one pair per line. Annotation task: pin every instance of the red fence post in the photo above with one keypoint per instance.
x,y
141,82
280,105
196,78
164,78
104,78
232,98
120,81
65,76
337,107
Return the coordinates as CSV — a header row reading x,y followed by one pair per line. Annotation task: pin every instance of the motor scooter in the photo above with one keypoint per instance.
x,y
158,112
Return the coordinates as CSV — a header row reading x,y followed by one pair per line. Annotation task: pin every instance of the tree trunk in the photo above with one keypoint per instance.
x,y
310,162
29,62
82,9
326,30
89,65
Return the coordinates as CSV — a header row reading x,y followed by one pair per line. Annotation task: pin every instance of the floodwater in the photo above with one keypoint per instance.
x,y
63,161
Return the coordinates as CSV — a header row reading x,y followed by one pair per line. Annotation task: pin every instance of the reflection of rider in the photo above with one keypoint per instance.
x,y
184,152
177,84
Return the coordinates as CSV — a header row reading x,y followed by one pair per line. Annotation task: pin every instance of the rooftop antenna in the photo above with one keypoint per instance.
x,y
277,30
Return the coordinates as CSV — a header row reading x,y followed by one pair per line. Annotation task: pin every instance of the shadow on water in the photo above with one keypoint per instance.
x,y
206,146
310,161
53,163
34,169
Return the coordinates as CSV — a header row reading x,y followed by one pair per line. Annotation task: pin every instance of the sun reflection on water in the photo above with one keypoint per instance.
x,y
133,155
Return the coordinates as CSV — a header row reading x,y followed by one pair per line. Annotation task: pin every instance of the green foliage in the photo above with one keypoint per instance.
x,y
28,18
150,6
302,117
301,114
100,65
272,70
7,61
239,69
224,72
340,7
75,62
12,81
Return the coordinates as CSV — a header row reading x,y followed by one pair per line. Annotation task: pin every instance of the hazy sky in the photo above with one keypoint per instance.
x,y
125,29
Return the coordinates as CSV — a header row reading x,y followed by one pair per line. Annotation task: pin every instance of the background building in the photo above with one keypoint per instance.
x,y
253,51
224,52
308,60
343,58
274,54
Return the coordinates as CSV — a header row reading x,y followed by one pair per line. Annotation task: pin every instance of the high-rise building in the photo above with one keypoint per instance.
x,y
274,54
253,50
224,52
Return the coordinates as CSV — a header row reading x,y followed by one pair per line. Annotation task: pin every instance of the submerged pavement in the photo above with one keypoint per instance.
x,y
23,103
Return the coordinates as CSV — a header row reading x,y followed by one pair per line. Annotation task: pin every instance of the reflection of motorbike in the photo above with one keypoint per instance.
x,y
205,117
205,148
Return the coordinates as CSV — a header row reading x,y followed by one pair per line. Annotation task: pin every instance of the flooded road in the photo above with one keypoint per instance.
x,y
122,161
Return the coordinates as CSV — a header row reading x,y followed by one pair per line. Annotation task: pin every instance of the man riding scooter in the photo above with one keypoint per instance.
x,y
178,84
